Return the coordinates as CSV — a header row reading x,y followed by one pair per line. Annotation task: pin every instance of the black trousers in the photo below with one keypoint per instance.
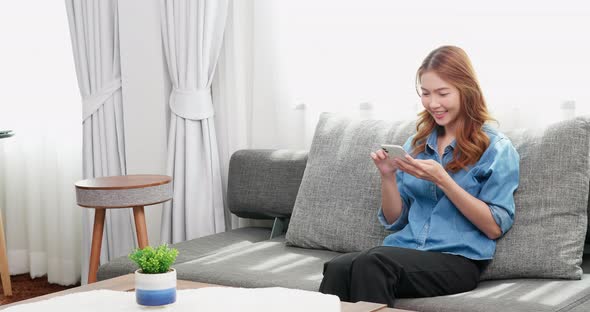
x,y
383,273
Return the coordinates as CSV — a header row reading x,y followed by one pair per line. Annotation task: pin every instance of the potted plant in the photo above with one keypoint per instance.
x,y
155,281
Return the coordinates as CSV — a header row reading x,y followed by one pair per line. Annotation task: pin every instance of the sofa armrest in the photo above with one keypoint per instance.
x,y
263,184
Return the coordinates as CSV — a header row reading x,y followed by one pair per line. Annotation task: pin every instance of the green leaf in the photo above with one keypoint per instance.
x,y
153,261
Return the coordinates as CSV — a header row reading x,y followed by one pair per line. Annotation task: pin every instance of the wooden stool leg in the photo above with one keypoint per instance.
x,y
4,262
96,244
140,227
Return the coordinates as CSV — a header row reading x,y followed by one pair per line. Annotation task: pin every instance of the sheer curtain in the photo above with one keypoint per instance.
x,y
232,93
39,165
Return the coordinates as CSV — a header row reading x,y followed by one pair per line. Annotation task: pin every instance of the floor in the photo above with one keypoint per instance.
x,y
23,287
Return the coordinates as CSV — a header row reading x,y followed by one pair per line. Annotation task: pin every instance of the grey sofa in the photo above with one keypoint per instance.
x,y
264,184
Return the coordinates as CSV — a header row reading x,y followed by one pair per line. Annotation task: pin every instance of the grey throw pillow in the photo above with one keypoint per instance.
x,y
547,237
340,193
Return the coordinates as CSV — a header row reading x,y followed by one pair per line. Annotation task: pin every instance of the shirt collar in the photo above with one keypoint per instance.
x,y
453,144
432,142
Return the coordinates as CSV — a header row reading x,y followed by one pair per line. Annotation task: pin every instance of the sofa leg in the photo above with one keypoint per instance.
x,y
279,227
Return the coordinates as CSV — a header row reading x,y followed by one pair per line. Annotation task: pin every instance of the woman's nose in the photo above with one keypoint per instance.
x,y
433,103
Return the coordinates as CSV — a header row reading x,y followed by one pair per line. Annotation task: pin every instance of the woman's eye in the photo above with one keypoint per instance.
x,y
425,94
444,94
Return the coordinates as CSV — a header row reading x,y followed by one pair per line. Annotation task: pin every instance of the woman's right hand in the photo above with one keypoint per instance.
x,y
387,166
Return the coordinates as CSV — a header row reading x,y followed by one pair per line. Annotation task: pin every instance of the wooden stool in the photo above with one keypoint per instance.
x,y
130,191
4,263
4,272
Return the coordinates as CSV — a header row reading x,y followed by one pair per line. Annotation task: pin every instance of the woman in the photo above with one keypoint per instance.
x,y
447,204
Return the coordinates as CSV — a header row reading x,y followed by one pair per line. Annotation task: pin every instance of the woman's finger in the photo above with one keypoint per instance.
x,y
413,170
400,163
406,163
410,172
414,162
405,167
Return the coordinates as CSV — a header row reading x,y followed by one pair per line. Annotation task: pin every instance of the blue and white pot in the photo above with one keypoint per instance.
x,y
155,289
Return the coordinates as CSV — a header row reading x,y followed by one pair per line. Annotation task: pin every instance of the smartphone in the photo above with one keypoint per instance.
x,y
394,151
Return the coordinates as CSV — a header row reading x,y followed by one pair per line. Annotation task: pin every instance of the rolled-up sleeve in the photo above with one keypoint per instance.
x,y
500,178
402,220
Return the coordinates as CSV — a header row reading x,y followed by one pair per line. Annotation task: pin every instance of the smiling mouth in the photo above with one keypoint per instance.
x,y
439,115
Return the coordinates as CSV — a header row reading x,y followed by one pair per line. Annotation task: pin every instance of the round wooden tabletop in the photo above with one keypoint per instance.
x,y
123,182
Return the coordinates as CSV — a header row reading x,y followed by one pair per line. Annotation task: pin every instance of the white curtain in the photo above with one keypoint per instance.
x,y
192,32
253,110
39,165
94,32
232,93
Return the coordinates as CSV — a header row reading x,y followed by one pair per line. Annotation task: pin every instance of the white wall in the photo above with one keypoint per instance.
x,y
333,55
146,88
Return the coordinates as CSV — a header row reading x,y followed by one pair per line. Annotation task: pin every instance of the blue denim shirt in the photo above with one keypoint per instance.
x,y
430,221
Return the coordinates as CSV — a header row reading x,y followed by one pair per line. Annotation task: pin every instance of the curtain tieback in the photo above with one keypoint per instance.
x,y
93,102
194,104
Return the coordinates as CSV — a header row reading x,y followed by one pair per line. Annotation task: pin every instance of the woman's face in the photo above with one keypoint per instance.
x,y
440,99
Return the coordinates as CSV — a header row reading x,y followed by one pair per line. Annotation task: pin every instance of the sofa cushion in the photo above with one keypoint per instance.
x,y
547,237
336,207
263,184
193,249
265,264
274,264
534,295
513,295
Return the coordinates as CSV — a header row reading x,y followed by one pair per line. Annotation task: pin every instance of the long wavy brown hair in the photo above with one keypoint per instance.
x,y
452,65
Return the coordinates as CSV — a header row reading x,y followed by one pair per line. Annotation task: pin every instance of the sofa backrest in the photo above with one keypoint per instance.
x,y
263,184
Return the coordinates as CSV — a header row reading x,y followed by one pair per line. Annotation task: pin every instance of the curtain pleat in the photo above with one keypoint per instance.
x,y
95,40
192,32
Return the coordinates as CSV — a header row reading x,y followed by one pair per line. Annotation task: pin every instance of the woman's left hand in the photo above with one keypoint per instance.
x,y
429,169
